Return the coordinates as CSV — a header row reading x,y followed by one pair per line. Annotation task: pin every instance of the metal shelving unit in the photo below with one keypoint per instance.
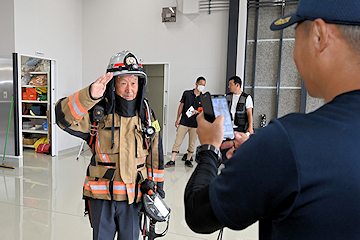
x,y
39,103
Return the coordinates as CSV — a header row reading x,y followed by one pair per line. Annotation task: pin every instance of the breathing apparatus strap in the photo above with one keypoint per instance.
x,y
112,129
96,115
148,116
139,180
112,125
151,158
93,130
94,127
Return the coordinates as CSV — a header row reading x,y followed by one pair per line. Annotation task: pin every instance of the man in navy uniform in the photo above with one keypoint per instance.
x,y
299,176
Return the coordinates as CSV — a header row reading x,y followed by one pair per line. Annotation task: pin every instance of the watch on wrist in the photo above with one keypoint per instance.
x,y
209,147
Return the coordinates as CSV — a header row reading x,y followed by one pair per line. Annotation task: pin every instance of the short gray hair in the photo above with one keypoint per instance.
x,y
351,34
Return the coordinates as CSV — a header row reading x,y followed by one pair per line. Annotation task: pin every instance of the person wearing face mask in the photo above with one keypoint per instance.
x,y
186,121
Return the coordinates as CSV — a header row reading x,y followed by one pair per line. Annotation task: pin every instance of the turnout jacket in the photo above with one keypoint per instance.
x,y
113,172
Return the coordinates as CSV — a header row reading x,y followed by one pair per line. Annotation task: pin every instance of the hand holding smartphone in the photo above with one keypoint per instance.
x,y
215,105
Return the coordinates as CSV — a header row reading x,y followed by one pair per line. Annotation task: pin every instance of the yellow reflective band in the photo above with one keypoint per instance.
x,y
282,21
156,125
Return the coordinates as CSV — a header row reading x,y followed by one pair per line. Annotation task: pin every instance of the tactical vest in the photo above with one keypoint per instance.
x,y
240,118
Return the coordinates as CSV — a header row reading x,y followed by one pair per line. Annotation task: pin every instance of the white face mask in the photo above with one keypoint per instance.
x,y
201,88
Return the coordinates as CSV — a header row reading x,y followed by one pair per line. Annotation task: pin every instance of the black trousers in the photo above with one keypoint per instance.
x,y
108,217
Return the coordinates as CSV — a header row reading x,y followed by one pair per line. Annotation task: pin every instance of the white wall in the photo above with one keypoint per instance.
x,y
54,28
7,44
194,45
83,35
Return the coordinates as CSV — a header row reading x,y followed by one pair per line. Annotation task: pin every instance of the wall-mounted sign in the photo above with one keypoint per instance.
x,y
37,53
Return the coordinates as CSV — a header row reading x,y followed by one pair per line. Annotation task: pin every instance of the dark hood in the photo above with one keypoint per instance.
x,y
109,96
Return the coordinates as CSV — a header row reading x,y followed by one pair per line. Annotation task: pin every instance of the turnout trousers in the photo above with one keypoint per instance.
x,y
108,217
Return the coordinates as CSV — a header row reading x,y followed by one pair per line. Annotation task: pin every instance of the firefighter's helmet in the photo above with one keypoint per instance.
x,y
126,63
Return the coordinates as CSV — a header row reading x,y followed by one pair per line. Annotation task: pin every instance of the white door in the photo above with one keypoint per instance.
x,y
157,94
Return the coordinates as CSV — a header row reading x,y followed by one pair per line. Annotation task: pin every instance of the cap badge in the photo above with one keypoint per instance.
x,y
282,21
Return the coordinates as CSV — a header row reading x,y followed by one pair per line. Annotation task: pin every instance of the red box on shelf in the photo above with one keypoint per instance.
x,y
31,92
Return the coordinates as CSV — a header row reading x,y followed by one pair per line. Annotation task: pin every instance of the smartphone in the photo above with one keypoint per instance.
x,y
215,105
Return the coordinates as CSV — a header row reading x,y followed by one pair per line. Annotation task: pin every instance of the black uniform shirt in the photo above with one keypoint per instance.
x,y
189,99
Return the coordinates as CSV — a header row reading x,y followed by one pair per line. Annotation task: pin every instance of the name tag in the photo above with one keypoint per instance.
x,y
156,125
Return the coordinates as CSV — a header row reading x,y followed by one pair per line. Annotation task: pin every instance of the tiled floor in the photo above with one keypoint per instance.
x,y
43,201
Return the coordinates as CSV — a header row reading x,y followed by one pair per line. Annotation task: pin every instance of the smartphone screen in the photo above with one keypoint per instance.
x,y
220,107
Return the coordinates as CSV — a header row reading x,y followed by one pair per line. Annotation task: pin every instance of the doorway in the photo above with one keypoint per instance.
x,y
157,94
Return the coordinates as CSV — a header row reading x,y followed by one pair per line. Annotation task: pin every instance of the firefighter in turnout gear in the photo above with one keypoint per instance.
x,y
115,119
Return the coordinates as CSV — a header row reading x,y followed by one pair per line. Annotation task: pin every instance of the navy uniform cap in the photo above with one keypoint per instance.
x,y
345,12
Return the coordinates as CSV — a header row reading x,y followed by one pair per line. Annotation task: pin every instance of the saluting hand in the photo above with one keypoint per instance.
x,y
98,87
